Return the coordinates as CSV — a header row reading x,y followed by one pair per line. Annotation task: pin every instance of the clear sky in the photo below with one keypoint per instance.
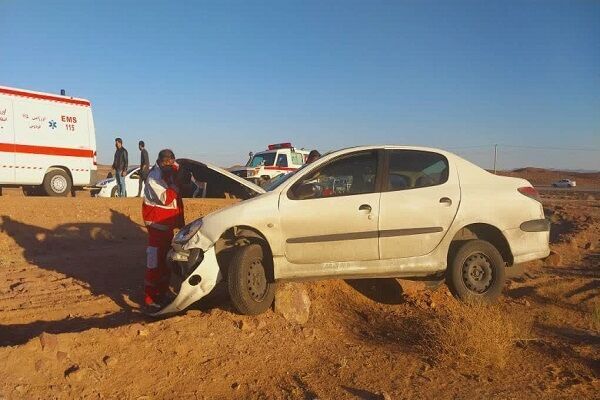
x,y
216,79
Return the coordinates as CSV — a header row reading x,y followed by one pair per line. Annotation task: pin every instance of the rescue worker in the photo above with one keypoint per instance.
x,y
120,165
313,156
144,166
162,211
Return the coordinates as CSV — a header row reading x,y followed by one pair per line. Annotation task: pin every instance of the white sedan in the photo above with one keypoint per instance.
x,y
108,187
365,212
564,183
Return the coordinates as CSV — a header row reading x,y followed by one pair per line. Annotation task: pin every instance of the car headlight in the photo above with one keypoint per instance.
x,y
188,231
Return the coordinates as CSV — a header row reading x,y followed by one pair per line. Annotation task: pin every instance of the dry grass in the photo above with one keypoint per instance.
x,y
477,334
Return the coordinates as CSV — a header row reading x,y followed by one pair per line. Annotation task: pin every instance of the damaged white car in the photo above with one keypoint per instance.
x,y
365,212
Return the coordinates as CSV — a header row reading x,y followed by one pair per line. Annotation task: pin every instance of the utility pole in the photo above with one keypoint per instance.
x,y
495,156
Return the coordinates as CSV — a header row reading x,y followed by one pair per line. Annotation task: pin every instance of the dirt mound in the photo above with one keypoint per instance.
x,y
70,326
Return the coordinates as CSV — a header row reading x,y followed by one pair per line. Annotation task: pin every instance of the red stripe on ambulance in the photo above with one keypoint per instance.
x,y
46,150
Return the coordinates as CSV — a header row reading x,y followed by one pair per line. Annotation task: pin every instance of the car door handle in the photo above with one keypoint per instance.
x,y
446,201
365,207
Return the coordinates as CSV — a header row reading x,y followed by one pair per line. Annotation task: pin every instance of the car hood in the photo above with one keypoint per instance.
x,y
219,182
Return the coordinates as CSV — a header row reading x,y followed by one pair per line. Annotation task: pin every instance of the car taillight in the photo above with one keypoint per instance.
x,y
529,192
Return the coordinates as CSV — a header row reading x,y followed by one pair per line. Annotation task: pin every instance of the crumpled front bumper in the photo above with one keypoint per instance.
x,y
197,284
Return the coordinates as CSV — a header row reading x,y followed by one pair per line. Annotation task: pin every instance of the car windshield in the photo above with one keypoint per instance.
x,y
261,159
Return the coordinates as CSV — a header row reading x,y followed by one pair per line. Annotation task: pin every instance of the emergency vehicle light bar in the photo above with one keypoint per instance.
x,y
278,146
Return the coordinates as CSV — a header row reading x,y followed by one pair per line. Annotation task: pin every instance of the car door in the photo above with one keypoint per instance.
x,y
331,214
418,203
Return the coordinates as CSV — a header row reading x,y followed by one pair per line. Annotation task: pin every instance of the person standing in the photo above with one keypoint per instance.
x,y
120,165
162,210
144,166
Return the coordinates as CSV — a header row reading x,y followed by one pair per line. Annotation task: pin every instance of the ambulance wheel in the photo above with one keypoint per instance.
x,y
57,183
250,282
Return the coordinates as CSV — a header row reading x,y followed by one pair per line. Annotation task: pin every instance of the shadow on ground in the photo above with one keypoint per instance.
x,y
108,259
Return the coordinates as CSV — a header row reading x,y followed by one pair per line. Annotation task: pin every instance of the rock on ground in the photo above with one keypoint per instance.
x,y
292,302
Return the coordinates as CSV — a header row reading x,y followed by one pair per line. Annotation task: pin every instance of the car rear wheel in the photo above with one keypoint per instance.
x,y
249,281
57,183
476,272
113,192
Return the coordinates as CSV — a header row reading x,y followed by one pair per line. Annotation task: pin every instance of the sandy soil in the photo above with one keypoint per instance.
x,y
73,268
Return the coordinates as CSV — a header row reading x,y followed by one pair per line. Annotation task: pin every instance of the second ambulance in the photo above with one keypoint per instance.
x,y
278,159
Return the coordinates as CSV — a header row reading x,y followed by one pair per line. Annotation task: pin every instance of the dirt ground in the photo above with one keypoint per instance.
x,y
70,327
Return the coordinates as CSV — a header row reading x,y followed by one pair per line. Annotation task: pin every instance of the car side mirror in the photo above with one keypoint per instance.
x,y
306,191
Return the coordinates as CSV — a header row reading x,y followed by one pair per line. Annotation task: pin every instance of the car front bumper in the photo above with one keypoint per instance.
x,y
196,284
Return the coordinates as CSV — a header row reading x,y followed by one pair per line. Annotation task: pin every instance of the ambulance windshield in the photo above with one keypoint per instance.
x,y
261,159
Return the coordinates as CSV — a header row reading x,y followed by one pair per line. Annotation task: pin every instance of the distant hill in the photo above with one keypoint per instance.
x,y
542,176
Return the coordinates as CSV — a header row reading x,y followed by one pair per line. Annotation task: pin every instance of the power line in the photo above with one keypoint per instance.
x,y
549,148
513,146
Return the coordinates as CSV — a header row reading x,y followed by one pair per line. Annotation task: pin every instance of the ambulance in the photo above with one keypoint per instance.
x,y
47,142
278,159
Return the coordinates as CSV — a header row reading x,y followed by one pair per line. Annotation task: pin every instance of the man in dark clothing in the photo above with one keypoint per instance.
x,y
144,166
313,156
120,165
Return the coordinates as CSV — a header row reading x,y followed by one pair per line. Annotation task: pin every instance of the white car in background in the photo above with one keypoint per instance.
x,y
108,187
365,212
564,183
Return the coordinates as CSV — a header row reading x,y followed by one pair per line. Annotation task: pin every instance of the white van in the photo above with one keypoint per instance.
x,y
47,142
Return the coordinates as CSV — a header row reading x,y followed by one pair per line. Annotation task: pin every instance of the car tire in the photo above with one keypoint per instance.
x,y
57,183
113,192
250,282
476,272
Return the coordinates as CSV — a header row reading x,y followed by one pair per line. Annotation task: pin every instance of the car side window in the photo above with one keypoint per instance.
x,y
282,160
348,175
411,169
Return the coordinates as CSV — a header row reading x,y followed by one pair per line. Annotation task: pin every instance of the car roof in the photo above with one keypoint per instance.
x,y
389,147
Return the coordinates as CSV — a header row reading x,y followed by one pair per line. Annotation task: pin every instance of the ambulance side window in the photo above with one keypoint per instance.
x,y
297,158
282,160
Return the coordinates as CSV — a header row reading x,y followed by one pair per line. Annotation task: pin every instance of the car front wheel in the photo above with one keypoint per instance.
x,y
249,281
476,272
